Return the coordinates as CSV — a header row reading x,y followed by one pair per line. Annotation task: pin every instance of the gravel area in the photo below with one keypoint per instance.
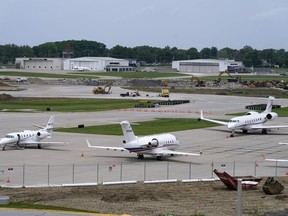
x,y
186,199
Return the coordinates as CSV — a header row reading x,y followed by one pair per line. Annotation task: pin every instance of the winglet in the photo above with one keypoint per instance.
x,y
201,115
283,143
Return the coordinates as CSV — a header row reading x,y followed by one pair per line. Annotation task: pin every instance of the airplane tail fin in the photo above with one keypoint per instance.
x,y
50,124
127,131
269,104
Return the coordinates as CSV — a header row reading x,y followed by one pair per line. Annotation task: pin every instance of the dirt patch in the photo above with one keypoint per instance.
x,y
202,198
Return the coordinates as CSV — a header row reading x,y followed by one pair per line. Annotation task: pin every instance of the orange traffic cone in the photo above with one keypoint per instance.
x,y
256,164
82,154
8,180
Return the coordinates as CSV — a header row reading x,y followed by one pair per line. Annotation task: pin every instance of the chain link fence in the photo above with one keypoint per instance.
x,y
53,174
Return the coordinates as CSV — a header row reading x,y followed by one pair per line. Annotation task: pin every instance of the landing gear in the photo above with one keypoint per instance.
x,y
264,131
140,156
232,134
245,131
39,146
160,158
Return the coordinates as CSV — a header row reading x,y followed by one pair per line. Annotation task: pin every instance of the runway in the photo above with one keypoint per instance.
x,y
76,163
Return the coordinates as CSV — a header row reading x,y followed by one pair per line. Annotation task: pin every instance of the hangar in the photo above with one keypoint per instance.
x,y
39,63
97,64
80,64
207,65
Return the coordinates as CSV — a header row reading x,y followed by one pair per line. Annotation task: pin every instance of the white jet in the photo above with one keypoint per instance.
x,y
20,140
158,145
80,68
251,121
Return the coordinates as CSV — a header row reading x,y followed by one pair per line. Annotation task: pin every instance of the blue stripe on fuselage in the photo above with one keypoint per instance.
x,y
139,149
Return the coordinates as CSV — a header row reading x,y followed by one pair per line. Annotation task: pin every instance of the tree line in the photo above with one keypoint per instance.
x,y
145,54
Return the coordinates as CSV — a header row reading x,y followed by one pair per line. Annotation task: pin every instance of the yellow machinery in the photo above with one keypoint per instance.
x,y
102,90
232,79
164,93
165,83
200,83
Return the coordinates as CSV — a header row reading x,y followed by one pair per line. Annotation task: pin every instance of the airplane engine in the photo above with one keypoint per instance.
x,y
252,113
271,115
39,134
154,143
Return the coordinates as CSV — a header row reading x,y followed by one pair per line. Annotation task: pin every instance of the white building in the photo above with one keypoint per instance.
x,y
80,64
97,64
206,65
39,63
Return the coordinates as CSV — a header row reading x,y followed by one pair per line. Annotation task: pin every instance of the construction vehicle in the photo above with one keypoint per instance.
x,y
200,83
231,79
102,90
164,93
165,83
130,94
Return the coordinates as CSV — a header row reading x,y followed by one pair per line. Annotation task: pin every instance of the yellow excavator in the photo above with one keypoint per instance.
x,y
200,83
231,79
102,90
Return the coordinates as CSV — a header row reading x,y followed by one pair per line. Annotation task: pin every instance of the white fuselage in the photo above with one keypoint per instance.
x,y
24,138
151,144
245,122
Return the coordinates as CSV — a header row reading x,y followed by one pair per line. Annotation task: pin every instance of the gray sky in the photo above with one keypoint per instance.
x,y
183,24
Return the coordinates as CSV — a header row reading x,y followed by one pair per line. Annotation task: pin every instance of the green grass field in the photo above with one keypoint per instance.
x,y
65,104
132,75
162,125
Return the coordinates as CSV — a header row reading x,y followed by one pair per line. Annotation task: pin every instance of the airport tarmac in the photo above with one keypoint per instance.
x,y
76,163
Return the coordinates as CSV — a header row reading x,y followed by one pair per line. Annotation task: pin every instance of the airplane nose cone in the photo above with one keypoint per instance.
x,y
232,126
4,141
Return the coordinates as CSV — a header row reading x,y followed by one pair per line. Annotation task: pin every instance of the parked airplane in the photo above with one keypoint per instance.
x,y
251,121
80,68
20,140
159,145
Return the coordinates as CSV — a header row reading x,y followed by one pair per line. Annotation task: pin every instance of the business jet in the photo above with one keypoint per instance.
x,y
19,140
158,145
251,121
81,68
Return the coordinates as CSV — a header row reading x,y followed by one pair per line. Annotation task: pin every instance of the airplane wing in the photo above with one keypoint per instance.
x,y
260,126
212,120
164,152
106,147
276,160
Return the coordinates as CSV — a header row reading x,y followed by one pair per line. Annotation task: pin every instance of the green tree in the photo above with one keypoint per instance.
x,y
192,53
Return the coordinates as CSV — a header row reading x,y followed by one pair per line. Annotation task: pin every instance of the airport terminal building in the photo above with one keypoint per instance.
x,y
80,64
207,65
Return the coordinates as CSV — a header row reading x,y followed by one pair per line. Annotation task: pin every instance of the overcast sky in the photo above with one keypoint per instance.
x,y
261,24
